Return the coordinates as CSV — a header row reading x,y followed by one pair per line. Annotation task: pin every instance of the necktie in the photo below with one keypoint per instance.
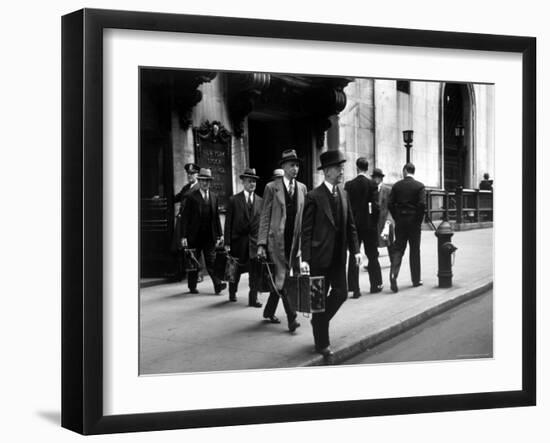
x,y
291,188
206,196
334,193
250,202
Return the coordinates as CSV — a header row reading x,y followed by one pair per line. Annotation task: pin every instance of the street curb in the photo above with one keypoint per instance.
x,y
345,352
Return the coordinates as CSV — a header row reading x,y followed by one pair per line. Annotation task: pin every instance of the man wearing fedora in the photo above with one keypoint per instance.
x,y
241,233
328,232
192,171
406,203
201,228
279,232
363,196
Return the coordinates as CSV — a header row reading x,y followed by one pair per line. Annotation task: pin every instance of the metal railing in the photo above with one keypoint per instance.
x,y
460,206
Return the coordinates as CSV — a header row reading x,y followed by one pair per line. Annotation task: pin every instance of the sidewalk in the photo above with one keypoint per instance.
x,y
181,332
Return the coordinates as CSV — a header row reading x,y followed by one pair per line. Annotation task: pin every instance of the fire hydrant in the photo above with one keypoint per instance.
x,y
445,251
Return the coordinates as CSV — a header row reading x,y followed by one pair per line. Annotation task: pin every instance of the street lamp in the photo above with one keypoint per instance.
x,y
408,139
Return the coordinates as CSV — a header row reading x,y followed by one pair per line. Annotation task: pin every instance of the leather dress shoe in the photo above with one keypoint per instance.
x,y
232,297
193,291
293,325
255,304
376,289
325,352
356,294
393,284
272,319
219,288
417,284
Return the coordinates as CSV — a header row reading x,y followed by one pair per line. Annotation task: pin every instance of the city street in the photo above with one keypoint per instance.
x,y
465,331
183,332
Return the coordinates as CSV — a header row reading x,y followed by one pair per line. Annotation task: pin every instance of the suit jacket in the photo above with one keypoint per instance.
x,y
191,217
407,201
319,229
241,226
272,227
362,191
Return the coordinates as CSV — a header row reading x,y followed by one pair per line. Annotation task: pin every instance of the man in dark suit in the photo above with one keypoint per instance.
x,y
192,171
279,233
486,184
328,231
407,203
241,233
201,229
363,197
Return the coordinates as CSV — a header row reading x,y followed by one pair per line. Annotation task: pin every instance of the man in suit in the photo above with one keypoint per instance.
x,y
192,170
385,220
486,184
201,229
328,231
407,203
241,233
279,232
363,196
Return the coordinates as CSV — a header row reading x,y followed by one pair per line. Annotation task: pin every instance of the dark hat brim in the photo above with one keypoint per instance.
x,y
334,163
204,177
295,159
255,177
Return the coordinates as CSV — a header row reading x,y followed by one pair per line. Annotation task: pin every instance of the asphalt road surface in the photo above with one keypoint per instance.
x,y
464,332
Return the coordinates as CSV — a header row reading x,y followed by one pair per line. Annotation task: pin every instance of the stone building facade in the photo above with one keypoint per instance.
x,y
228,121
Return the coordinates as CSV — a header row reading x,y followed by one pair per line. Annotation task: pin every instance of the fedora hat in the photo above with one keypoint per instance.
x,y
278,173
191,168
249,173
377,172
205,174
331,158
288,156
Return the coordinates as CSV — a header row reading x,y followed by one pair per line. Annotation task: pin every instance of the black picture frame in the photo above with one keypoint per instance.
x,y
82,217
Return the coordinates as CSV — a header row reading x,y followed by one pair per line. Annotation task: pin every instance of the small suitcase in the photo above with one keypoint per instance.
x,y
312,297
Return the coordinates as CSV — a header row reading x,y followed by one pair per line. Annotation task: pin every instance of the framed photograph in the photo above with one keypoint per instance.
x,y
198,153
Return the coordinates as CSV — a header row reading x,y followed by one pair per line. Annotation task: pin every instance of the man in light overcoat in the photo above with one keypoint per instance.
x,y
279,233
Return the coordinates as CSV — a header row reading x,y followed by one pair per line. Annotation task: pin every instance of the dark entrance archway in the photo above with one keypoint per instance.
x,y
457,112
284,111
267,139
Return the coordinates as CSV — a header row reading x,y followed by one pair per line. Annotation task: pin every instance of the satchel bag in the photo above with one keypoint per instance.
x,y
231,269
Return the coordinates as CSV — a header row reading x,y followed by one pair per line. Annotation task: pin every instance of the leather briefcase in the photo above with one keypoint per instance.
x,y
267,276
292,291
312,297
220,263
190,262
231,269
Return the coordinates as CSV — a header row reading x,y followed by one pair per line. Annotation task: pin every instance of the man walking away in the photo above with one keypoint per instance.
x,y
406,204
363,196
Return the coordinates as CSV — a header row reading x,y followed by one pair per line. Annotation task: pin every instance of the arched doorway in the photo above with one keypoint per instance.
x,y
457,147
